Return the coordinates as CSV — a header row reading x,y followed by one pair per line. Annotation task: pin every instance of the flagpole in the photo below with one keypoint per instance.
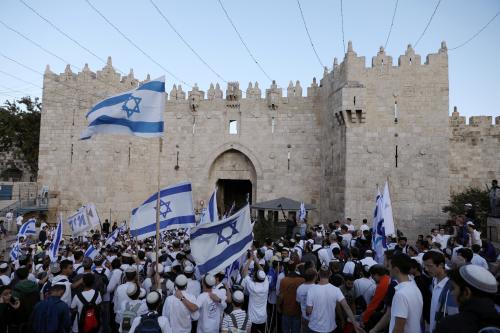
x,y
160,144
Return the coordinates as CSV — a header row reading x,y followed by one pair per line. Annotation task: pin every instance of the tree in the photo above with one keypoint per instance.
x,y
20,129
478,198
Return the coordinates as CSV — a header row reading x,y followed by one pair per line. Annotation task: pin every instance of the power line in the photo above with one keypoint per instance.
x,y
36,44
428,23
185,42
342,20
65,34
242,41
135,45
392,24
309,35
476,34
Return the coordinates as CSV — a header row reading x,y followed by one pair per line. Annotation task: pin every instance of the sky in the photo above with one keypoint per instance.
x,y
272,29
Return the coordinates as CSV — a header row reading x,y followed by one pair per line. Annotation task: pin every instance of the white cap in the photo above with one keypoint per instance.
x,y
238,296
479,278
142,293
160,268
3,265
209,280
131,289
261,275
153,297
181,280
189,269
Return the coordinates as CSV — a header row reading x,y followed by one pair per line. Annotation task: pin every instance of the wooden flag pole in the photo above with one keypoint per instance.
x,y
160,145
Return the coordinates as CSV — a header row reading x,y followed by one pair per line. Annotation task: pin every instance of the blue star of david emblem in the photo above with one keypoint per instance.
x,y
223,238
131,105
164,212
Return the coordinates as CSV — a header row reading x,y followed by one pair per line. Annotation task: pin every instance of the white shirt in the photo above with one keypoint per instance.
x,y
77,304
9,216
407,303
479,261
162,321
5,280
257,303
364,227
323,299
436,294
210,313
302,298
347,238
368,261
476,238
19,220
349,268
114,282
193,287
178,314
120,298
364,287
66,297
325,255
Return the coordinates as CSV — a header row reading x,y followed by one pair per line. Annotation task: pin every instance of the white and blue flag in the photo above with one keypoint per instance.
x,y
176,211
387,211
91,252
302,212
137,112
114,236
215,246
15,252
58,235
28,228
379,244
210,213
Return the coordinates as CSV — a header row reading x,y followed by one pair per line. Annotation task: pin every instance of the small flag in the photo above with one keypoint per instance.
x,y
15,252
378,237
302,212
137,112
91,252
54,246
210,213
176,211
28,228
387,211
215,246
114,236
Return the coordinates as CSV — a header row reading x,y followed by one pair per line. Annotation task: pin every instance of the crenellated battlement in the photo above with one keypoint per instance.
x,y
459,122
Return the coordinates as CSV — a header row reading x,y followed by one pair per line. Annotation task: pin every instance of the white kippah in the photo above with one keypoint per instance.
x,y
153,297
209,280
238,296
131,289
181,280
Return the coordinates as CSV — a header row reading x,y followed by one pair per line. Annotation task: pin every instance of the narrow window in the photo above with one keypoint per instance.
x,y
233,127
395,112
71,160
272,124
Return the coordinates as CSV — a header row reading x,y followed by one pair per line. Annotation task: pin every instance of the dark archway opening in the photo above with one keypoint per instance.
x,y
236,191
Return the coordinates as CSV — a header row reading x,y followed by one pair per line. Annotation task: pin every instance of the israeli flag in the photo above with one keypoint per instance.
x,y
113,236
137,112
91,252
15,252
54,246
387,211
378,237
176,211
28,228
215,246
302,212
210,213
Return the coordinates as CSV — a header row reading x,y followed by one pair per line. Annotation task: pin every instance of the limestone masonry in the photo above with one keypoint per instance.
x,y
355,128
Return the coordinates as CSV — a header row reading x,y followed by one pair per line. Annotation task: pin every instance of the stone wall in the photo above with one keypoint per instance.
x,y
474,151
13,166
119,172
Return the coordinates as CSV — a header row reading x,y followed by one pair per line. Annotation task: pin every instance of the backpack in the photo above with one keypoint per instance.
x,y
149,324
358,269
235,328
89,320
101,281
129,315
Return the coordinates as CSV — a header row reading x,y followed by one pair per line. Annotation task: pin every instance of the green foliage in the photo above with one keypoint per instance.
x,y
478,198
266,229
20,128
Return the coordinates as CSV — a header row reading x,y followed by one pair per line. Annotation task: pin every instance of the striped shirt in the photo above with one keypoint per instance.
x,y
240,315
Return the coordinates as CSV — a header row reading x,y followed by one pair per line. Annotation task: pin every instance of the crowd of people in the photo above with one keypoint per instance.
x,y
326,279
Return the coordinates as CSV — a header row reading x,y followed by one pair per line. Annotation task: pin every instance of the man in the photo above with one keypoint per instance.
x,y
66,270
9,217
211,307
180,309
52,314
152,321
19,222
87,296
442,302
290,309
258,289
42,236
346,235
407,303
133,308
364,226
26,292
474,288
310,278
368,259
364,288
474,234
350,226
322,300
105,228
4,274
476,258
238,318
120,295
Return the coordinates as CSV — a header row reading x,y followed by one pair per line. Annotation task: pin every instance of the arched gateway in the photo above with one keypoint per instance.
x,y
235,177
